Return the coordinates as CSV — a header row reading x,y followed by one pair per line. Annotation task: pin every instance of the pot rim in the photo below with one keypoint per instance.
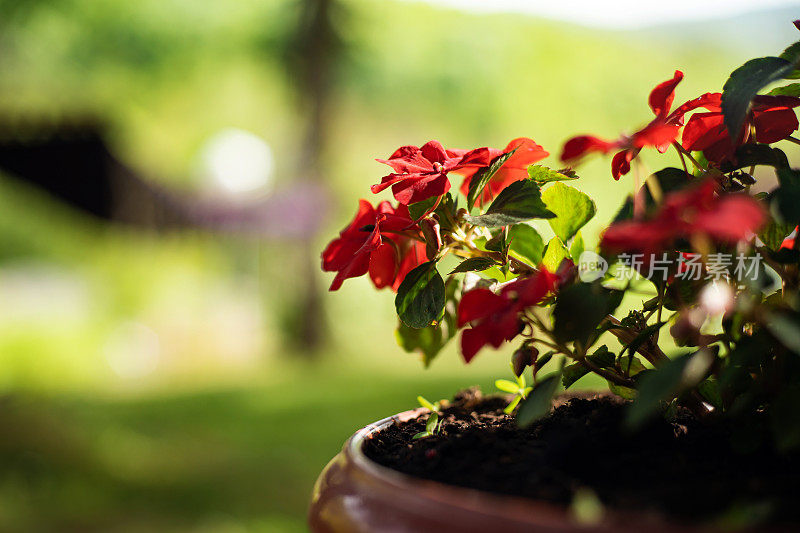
x,y
444,494
406,490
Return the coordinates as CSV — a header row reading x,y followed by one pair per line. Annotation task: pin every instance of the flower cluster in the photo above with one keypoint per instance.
x,y
771,119
502,259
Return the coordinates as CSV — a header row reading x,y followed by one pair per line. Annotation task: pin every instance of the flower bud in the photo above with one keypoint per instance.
x,y
686,329
433,238
522,358
567,272
685,332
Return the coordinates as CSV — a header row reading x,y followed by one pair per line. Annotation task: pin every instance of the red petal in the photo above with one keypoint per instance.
x,y
356,268
477,304
528,152
383,266
477,158
455,153
637,236
414,257
703,130
434,152
531,290
418,188
407,159
472,340
773,125
582,145
656,133
710,101
621,164
734,218
663,94
390,179
341,251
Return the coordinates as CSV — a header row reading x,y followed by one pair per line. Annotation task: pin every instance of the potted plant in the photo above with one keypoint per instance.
x,y
697,277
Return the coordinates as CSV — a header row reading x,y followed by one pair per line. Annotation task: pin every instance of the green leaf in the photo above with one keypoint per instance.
x,y
669,179
744,83
527,243
577,248
631,366
482,177
750,154
541,175
430,340
433,420
580,308
787,201
709,389
498,242
554,254
573,209
540,401
575,371
792,54
417,210
426,404
520,201
543,359
572,373
774,233
602,357
643,336
506,386
512,404
421,435
586,509
446,210
785,422
474,264
420,298
621,391
655,387
786,330
792,89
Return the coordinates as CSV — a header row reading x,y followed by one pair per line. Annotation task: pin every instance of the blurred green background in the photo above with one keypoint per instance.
x,y
158,379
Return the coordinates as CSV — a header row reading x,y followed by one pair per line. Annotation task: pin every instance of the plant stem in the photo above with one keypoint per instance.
x,y
610,376
681,150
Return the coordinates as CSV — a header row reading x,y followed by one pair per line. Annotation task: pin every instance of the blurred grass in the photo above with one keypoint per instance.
x,y
226,459
230,427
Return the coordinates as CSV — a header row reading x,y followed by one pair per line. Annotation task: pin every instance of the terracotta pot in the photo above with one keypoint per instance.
x,y
354,494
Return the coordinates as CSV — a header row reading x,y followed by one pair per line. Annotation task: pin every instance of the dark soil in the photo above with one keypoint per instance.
x,y
683,469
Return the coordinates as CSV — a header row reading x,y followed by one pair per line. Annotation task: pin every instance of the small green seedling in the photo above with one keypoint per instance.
x,y
431,427
520,390
436,407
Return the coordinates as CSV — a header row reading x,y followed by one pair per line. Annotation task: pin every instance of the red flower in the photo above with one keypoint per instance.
x,y
514,169
495,317
376,241
694,211
790,242
659,133
772,118
421,173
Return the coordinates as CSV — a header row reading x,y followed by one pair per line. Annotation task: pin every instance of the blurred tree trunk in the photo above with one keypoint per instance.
x,y
313,55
